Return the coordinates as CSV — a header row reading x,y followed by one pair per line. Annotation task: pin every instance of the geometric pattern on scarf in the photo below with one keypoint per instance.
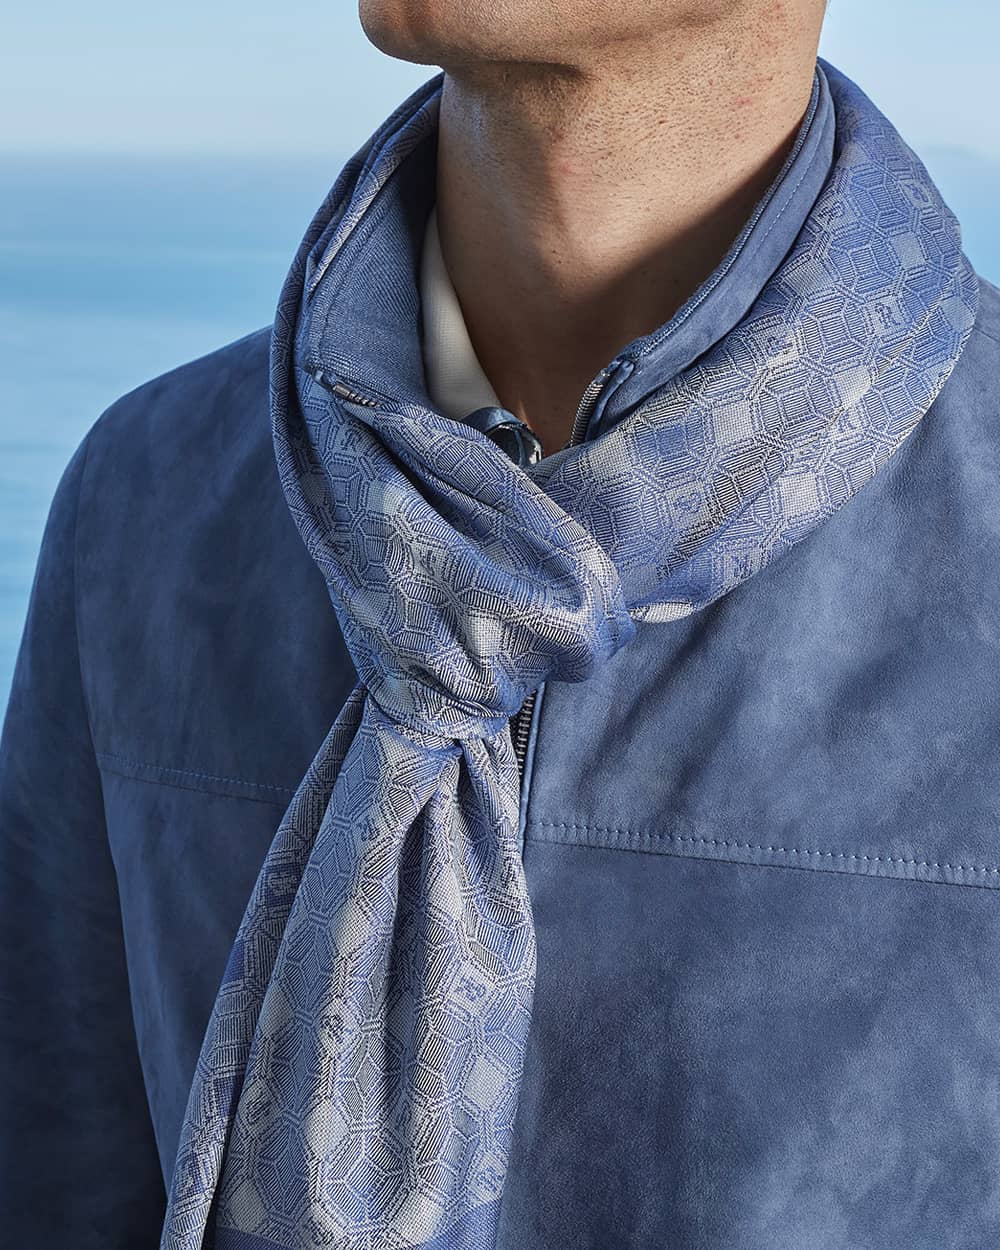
x,y
358,1080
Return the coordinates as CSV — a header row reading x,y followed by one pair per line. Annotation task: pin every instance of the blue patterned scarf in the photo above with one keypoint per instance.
x,y
358,1080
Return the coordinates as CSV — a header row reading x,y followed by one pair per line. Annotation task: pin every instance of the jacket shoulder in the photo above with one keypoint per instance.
x,y
174,457
972,392
988,317
179,403
194,588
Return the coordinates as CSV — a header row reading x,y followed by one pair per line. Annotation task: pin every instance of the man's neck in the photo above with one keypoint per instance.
x,y
580,206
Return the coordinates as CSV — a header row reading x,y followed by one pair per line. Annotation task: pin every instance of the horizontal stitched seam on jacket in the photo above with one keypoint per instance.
x,y
752,846
124,762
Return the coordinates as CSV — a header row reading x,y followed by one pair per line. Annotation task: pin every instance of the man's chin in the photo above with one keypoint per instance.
x,y
422,31
454,34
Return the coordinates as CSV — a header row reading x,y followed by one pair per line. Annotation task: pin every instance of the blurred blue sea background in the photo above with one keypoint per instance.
x,y
132,241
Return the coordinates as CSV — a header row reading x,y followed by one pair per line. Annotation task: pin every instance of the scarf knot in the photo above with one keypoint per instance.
x,y
459,584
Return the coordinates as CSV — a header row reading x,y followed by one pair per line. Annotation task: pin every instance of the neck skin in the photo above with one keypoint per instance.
x,y
580,205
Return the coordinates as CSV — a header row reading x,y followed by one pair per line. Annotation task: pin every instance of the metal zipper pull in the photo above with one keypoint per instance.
x,y
342,389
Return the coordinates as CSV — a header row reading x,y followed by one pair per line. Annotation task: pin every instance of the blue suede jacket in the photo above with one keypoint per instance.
x,y
762,844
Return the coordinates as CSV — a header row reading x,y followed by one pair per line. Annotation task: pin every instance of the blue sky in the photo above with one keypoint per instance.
x,y
301,77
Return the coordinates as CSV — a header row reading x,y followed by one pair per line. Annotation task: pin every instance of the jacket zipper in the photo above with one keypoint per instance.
x,y
520,722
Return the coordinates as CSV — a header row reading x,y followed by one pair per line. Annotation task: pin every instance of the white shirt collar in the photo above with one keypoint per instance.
x,y
455,378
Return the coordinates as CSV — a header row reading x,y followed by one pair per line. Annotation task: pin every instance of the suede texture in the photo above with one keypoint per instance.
x,y
763,861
